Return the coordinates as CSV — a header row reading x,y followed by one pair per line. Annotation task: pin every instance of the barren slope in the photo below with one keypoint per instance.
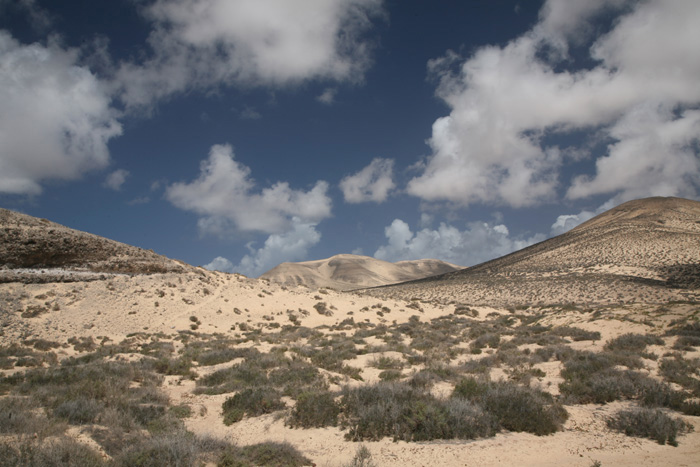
x,y
644,250
28,244
347,272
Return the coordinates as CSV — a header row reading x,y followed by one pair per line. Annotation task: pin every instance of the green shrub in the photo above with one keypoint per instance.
x,y
251,402
577,334
386,363
263,454
405,413
390,375
649,423
687,343
79,410
632,342
515,407
56,453
175,449
314,409
682,371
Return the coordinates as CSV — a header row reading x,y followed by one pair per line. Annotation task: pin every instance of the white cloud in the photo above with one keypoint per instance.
x,y
116,179
55,117
373,183
226,197
219,264
566,222
478,243
292,245
506,101
203,43
327,96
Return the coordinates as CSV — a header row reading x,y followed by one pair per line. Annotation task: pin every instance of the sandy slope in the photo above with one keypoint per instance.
x,y
349,272
641,251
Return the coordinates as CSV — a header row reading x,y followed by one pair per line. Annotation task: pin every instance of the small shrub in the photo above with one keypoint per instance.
x,y
649,423
406,413
515,407
322,309
386,363
175,449
263,454
363,458
314,409
251,402
58,453
632,342
390,375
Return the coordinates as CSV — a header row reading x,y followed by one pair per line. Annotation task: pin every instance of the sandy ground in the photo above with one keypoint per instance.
x,y
166,303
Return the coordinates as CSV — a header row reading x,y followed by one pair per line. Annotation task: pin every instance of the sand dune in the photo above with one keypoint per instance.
x,y
348,272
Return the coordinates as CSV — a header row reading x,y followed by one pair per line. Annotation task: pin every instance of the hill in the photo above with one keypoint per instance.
x,y
348,272
41,250
645,250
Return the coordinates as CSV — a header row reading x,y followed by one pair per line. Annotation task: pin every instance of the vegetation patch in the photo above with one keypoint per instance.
x,y
649,423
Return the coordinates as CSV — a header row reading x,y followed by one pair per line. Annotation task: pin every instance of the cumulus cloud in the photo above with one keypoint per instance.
x,y
55,116
203,43
508,102
480,242
566,222
220,264
226,197
292,245
373,183
116,179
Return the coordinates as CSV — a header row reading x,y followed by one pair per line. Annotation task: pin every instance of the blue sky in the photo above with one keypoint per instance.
x,y
242,133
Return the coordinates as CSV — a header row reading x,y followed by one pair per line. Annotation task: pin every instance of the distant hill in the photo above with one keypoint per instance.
x,y
28,242
347,272
644,250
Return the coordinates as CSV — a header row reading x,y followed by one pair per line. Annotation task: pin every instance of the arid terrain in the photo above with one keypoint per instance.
x,y
581,350
351,272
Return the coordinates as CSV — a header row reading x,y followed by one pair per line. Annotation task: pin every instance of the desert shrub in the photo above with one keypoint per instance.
x,y
486,340
223,355
251,402
423,379
169,366
263,454
682,371
649,423
362,458
405,413
181,411
20,415
691,329
390,375
386,363
296,376
322,309
79,410
174,449
686,343
577,334
55,453
515,407
631,342
314,409
83,344
243,375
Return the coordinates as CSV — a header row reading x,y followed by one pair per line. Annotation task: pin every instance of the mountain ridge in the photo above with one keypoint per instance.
x,y
653,243
348,272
